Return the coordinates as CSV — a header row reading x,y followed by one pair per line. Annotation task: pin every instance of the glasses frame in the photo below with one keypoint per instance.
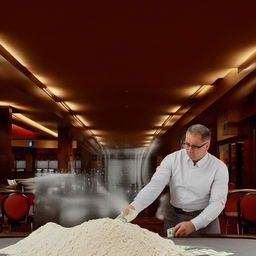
x,y
187,146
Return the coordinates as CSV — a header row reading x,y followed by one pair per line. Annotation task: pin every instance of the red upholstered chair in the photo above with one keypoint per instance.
x,y
2,196
31,198
16,208
230,211
231,186
247,212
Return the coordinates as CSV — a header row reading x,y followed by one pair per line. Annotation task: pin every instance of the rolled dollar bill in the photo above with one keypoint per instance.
x,y
129,217
121,218
170,232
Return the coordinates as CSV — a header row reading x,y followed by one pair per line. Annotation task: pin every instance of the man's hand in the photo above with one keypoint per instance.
x,y
126,210
183,228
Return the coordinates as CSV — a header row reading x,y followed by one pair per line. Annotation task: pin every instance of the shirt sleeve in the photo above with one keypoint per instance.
x,y
156,185
218,197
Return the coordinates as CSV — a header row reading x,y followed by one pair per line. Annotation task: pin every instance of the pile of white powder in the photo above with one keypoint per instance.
x,y
93,238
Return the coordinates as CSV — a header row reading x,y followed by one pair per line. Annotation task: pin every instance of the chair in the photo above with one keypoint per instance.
x,y
16,208
230,211
231,186
247,212
2,196
31,198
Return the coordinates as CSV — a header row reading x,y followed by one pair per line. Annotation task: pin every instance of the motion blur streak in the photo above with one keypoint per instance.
x,y
70,199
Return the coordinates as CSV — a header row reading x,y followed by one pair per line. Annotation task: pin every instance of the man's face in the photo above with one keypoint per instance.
x,y
195,147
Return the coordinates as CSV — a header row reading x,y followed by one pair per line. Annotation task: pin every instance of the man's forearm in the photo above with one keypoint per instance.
x,y
210,213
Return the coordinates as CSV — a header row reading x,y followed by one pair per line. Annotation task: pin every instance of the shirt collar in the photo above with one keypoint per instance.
x,y
201,162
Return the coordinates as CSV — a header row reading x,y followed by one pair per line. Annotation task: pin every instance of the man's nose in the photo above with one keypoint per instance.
x,y
190,149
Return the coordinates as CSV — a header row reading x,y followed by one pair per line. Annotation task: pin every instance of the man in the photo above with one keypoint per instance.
x,y
198,184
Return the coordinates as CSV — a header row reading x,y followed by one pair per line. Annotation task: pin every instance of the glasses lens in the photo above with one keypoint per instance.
x,y
187,146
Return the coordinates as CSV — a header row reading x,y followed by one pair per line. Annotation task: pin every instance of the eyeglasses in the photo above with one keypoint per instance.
x,y
187,146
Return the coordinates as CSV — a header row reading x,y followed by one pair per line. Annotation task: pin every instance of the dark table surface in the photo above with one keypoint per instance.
x,y
9,241
242,246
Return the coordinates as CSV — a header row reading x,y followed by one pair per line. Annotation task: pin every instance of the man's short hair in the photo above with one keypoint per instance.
x,y
201,130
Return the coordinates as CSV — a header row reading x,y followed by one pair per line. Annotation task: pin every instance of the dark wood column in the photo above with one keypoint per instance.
x,y
30,163
5,143
85,156
64,148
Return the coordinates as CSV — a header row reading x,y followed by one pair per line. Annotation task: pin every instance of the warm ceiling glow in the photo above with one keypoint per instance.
x,y
34,124
57,91
182,112
220,73
202,90
99,132
5,103
63,105
248,68
146,141
84,122
162,120
241,56
52,92
150,137
14,105
248,64
13,51
78,123
168,120
74,106
48,92
42,79
173,109
191,90
149,132
224,72
2,59
91,132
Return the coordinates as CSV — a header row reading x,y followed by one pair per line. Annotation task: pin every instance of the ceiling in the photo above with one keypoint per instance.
x,y
122,68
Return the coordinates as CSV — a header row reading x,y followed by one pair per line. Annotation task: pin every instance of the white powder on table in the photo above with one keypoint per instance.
x,y
93,238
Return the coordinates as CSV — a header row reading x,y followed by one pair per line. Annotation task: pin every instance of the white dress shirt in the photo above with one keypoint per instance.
x,y
200,186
